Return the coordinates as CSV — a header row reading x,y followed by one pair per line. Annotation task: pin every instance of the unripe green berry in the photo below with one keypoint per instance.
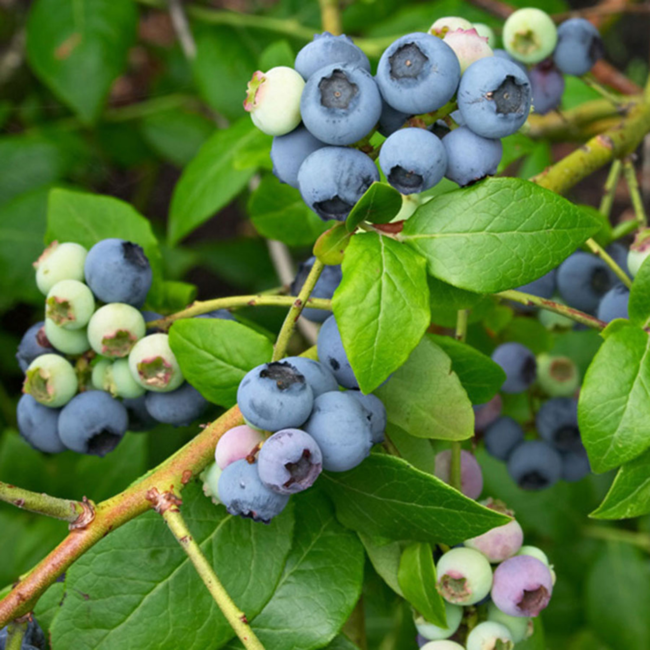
x,y
464,576
114,329
51,380
552,321
487,32
639,250
123,381
70,304
100,375
153,364
434,632
67,341
59,262
529,35
520,628
210,477
490,636
446,24
557,376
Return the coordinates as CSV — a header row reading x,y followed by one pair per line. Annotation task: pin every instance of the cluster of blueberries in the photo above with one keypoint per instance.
x,y
92,368
507,595
443,100
34,638
298,423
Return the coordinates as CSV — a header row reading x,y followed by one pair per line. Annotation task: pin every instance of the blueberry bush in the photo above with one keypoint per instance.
x,y
324,325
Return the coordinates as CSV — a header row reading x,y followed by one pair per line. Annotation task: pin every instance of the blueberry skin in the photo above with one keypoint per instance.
x,y
332,354
139,418
223,314
535,465
243,493
522,586
180,407
470,157
583,279
557,424
340,104
376,413
327,49
619,254
236,444
614,304
340,427
488,413
289,151
118,271
471,475
418,73
93,423
38,425
464,576
547,86
326,285
333,179
502,54
575,466
150,316
494,97
578,47
413,160
391,120
275,396
317,375
519,364
502,437
543,287
32,345
289,461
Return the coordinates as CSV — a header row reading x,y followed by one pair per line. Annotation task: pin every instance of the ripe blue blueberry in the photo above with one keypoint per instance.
x,y
413,160
118,271
289,151
619,254
243,493
501,542
93,423
547,85
67,341
578,47
333,179
327,49
340,104
557,376
153,364
236,444
543,287
114,329
50,380
471,476
470,157
418,73
464,576
59,262
376,413
490,634
433,632
339,425
583,279
520,628
502,54
275,396
289,461
326,285
522,586
519,364
179,407
494,97
575,466
139,418
70,304
502,437
535,465
557,423
38,425
391,120
32,345
614,304
332,354
317,375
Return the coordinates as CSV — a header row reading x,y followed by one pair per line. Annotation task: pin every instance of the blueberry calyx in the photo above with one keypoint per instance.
x,y
533,601
103,443
400,177
282,373
301,469
337,91
334,208
509,97
407,62
134,255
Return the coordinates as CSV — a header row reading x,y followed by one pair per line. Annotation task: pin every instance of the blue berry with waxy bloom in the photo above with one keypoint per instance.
x,y
327,49
543,287
614,304
51,380
333,179
118,271
33,344
575,466
243,493
519,364
413,160
418,73
179,407
502,54
70,304
67,341
391,120
431,632
502,437
470,157
529,35
289,151
340,104
490,634
114,329
583,279
153,364
38,425
59,262
339,425
464,576
557,424
317,375
376,414
93,423
494,97
275,396
332,354
535,465
471,476
579,46
326,285
547,84
139,418
289,461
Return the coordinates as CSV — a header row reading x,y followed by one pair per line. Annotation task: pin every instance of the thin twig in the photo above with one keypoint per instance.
x,y
635,195
182,29
330,13
455,474
641,540
609,190
15,635
598,250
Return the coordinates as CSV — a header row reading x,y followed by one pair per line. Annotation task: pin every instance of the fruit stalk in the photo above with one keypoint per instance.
x,y
456,447
599,251
331,16
635,195
15,635
610,188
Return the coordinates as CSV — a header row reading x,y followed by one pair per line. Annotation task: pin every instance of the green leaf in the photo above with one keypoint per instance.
x,y
417,578
446,296
529,332
479,375
614,404
386,497
426,398
498,234
629,494
419,452
278,53
211,181
379,204
140,573
381,306
385,557
79,47
639,305
215,354
175,296
278,212
330,247
515,146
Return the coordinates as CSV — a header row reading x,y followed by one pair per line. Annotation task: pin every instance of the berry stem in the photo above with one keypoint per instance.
x,y
598,250
641,540
611,184
182,28
624,228
635,194
235,617
456,447
15,635
298,305
601,90
44,504
330,13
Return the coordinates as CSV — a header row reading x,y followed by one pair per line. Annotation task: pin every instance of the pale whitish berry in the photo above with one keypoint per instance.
x,y
448,23
639,250
487,32
153,364
114,329
468,46
464,576
100,375
434,632
490,636
501,542
273,100
557,376
70,304
67,341
50,380
123,382
210,477
520,628
529,35
59,262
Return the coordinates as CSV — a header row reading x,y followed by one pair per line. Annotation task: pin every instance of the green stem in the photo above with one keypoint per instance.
x,y
461,325
235,617
624,228
641,540
289,325
610,188
601,90
635,194
330,13
355,626
456,447
598,250
549,305
15,635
